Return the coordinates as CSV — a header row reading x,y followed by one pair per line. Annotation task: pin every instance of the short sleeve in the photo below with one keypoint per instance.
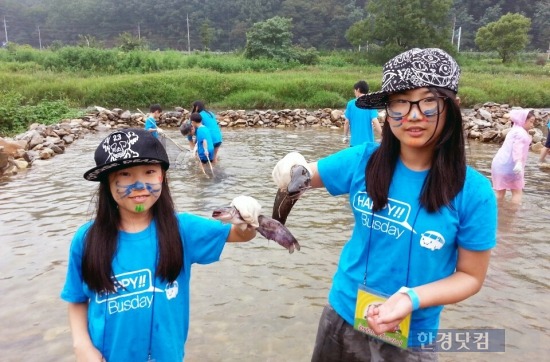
x,y
337,170
203,238
73,290
478,213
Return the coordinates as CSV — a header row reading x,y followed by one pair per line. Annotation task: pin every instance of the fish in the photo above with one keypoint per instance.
x,y
269,228
300,181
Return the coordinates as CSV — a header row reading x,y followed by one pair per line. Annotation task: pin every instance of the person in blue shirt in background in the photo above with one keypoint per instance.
x,y
360,122
205,147
188,131
544,150
129,268
209,120
151,122
425,222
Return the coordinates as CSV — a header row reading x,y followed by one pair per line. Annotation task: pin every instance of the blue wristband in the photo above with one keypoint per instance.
x,y
414,297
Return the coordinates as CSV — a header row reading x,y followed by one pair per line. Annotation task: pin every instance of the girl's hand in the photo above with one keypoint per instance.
x,y
88,353
386,317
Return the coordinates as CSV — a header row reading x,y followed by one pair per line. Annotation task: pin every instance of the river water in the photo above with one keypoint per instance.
x,y
258,303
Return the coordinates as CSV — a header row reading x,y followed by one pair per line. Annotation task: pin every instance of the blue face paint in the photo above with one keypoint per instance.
x,y
430,112
125,190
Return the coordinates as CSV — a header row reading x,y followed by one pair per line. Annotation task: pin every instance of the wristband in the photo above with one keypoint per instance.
x,y
412,294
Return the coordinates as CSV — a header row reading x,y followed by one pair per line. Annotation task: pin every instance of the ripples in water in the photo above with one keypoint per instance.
x,y
258,303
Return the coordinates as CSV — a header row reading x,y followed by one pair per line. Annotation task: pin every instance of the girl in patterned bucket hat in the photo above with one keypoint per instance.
x,y
425,222
129,268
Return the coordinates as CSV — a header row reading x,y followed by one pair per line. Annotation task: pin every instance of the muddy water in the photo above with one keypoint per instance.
x,y
258,303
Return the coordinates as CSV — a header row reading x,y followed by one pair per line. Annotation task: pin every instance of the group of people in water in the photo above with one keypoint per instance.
x,y
201,130
129,267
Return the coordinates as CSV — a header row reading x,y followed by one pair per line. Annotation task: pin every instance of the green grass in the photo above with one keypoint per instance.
x,y
82,77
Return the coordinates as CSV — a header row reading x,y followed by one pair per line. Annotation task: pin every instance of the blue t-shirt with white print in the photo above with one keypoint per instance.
x,y
145,310
403,243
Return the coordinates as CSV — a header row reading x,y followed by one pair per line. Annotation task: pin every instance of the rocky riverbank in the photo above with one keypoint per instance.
x,y
489,122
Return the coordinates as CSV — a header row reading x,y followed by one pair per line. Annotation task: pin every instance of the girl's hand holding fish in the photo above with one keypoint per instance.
x,y
283,169
249,208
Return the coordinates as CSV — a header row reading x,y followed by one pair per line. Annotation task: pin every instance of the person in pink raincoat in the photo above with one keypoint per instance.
x,y
508,164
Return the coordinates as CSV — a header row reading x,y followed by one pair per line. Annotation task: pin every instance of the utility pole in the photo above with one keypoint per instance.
x,y
6,30
139,32
39,38
188,42
458,40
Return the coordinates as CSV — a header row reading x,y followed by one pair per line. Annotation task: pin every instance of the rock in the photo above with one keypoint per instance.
x,y
21,164
488,122
3,159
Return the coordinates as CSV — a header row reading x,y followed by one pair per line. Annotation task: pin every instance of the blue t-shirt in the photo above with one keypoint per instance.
x,y
151,123
210,122
202,133
360,123
120,323
403,243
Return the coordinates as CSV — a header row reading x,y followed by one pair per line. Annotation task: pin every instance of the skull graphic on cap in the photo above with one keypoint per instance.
x,y
119,146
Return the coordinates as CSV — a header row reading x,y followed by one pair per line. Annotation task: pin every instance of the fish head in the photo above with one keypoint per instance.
x,y
300,181
228,214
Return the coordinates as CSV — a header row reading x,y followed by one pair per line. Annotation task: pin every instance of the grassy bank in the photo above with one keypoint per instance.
x,y
228,81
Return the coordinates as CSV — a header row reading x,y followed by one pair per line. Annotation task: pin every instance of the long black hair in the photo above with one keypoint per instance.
x,y
101,239
198,107
447,173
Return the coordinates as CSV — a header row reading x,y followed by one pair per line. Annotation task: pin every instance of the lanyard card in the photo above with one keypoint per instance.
x,y
367,297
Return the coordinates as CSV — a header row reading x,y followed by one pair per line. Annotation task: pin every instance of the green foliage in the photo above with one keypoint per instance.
x,y
127,42
89,41
230,81
327,99
16,117
10,118
507,36
308,56
321,23
404,24
207,34
357,35
270,39
252,99
56,45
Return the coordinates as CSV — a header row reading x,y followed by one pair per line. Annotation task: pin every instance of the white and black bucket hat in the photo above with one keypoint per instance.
x,y
415,68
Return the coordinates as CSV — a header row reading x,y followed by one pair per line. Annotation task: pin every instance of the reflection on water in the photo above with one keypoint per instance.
x,y
258,303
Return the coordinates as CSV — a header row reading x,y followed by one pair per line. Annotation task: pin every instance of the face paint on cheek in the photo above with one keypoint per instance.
x,y
154,189
430,112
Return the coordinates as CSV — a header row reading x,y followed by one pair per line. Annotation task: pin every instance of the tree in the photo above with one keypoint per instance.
x,y
271,38
507,36
127,42
321,22
207,34
541,30
403,24
356,34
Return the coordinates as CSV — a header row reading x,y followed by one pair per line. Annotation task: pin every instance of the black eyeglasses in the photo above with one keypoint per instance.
x,y
430,106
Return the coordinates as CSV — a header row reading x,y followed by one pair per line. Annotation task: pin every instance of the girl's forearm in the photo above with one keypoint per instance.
x,y
78,319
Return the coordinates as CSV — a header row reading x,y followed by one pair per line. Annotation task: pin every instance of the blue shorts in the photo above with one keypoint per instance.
x,y
205,160
218,144
547,145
